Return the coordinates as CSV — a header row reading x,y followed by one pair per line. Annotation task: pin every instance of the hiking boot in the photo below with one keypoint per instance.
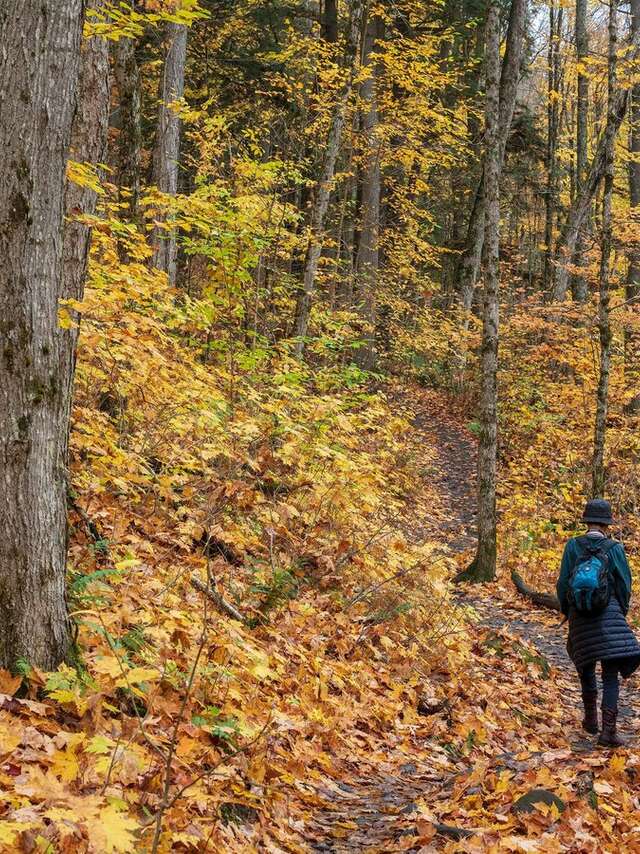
x,y
590,702
609,736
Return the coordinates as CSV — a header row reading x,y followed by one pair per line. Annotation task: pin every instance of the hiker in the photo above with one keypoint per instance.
x,y
594,589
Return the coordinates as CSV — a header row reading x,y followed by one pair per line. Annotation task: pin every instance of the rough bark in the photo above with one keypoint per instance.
x,y
632,339
330,21
604,326
578,283
565,249
472,256
633,279
369,220
39,63
88,145
323,189
166,151
483,567
129,146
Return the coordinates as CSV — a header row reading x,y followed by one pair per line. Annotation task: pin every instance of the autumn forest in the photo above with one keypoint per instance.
x,y
319,325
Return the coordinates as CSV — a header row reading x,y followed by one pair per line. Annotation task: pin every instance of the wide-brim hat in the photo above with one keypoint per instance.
x,y
598,511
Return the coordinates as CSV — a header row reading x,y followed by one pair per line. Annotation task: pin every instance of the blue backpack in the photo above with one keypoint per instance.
x,y
590,581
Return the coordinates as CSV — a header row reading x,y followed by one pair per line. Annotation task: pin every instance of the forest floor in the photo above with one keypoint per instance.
x,y
519,715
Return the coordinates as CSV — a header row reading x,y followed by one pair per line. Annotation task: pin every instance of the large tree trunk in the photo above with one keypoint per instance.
x,y
604,325
129,147
369,219
483,567
472,256
579,284
167,145
88,145
39,63
323,189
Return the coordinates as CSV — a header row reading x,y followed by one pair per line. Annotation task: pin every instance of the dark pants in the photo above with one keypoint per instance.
x,y
610,681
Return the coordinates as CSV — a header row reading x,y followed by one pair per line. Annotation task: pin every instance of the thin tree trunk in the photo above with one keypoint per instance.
x,y
604,327
483,567
567,243
323,189
166,151
472,256
367,258
129,147
579,284
633,278
330,21
555,30
39,63
88,145
632,339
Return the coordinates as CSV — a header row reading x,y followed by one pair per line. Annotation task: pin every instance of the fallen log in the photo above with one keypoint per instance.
x,y
543,600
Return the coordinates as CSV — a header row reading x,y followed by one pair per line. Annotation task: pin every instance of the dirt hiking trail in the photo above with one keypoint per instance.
x,y
374,813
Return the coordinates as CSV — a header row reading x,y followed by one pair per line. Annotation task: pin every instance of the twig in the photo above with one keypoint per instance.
x,y
166,788
220,603
372,588
92,528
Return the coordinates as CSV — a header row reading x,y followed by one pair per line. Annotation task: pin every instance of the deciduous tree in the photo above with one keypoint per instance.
x,y
39,64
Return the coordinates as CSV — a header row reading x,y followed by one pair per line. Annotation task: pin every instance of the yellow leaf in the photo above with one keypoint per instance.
x,y
126,564
65,765
9,684
139,674
65,321
10,738
9,830
113,832
617,763
108,665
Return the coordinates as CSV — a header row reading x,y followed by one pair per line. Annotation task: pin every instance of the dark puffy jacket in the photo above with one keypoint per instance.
x,y
606,635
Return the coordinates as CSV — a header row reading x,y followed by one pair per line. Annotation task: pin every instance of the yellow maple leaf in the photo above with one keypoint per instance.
x,y
65,765
108,665
112,831
617,763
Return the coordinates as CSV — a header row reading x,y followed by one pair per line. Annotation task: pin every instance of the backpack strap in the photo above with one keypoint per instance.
x,y
596,544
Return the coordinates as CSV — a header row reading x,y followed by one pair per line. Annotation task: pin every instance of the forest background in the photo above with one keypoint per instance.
x,y
286,240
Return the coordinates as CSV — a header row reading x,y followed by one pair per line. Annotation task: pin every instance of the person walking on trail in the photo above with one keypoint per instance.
x,y
594,589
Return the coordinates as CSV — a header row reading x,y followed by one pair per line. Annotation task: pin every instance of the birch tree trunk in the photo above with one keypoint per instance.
x,y
166,151
578,284
483,567
39,63
368,236
325,183
566,247
88,145
129,147
472,256
604,327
